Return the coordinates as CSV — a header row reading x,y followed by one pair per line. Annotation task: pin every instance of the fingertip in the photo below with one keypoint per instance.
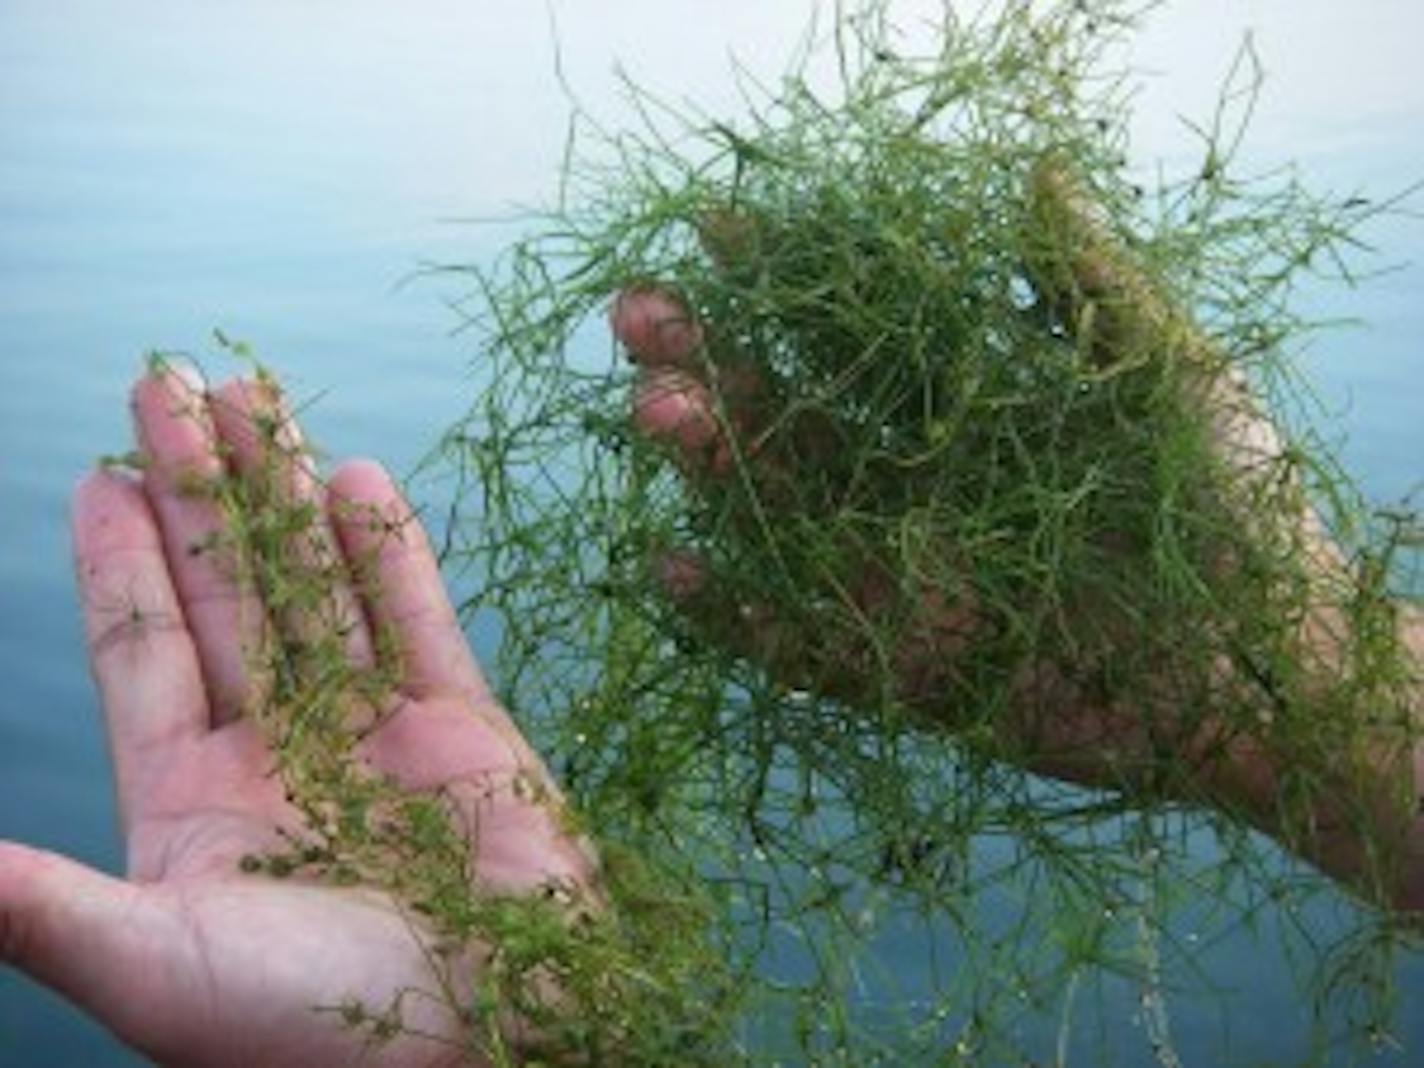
x,y
251,419
45,901
673,406
364,500
363,480
109,509
655,327
371,516
98,484
163,395
236,400
102,501
172,423
21,879
234,390
167,380
80,932
248,396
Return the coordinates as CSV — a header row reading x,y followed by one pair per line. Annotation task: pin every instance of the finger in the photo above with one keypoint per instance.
x,y
79,932
265,447
706,408
140,648
673,407
657,329
428,743
406,600
175,430
1083,269
1101,288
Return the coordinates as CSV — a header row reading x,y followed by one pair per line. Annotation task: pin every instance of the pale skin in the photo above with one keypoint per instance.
x,y
192,960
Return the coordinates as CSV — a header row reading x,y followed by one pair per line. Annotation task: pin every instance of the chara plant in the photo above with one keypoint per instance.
x,y
917,706
988,495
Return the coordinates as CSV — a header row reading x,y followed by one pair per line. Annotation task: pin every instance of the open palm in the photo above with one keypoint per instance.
x,y
191,959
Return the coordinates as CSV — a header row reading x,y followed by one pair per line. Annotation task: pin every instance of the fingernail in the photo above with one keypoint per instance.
x,y
187,372
178,371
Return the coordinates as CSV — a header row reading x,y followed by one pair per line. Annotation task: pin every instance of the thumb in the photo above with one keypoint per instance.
x,y
71,928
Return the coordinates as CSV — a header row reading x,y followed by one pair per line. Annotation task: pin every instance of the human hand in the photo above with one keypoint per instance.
x,y
189,958
712,413
718,431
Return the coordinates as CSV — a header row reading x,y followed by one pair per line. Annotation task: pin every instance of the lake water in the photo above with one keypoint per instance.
x,y
278,169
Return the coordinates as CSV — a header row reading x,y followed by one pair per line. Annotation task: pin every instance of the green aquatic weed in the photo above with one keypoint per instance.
x,y
986,457
983,502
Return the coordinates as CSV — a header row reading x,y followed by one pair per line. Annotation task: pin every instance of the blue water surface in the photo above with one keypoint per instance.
x,y
277,171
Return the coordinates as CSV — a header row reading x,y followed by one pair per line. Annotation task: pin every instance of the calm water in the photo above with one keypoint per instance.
x,y
276,170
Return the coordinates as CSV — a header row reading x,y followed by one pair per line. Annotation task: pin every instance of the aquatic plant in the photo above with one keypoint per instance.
x,y
972,485
938,666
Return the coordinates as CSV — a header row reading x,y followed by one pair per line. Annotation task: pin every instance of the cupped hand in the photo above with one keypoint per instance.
x,y
880,626
714,417
1054,727
189,958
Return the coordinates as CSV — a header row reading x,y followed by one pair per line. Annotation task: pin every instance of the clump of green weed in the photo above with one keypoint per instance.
x,y
992,500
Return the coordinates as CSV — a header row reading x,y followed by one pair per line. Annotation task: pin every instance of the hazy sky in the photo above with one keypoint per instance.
x,y
446,106
264,147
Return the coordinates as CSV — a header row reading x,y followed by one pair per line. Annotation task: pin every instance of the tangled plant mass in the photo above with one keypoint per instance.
x,y
926,578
